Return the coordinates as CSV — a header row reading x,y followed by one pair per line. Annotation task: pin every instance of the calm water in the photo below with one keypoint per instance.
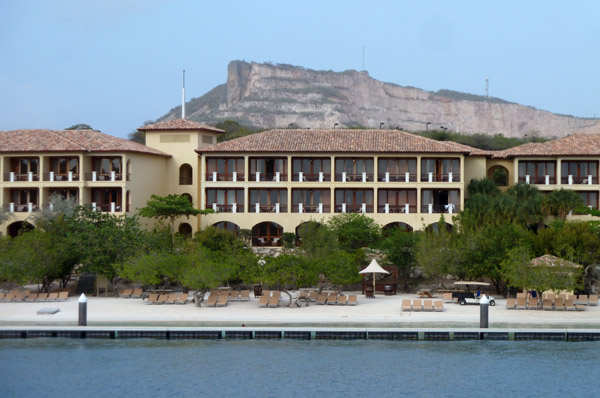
x,y
150,368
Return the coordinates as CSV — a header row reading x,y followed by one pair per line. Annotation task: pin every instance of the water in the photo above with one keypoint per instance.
x,y
247,368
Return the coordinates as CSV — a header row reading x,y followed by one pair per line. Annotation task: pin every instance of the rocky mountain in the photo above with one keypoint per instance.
x,y
278,96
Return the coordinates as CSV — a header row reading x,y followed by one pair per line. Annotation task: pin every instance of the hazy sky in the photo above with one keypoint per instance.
x,y
115,63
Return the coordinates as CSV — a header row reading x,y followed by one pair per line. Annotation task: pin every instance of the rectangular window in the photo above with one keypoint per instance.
x,y
537,172
578,172
61,168
440,170
440,200
354,169
268,169
396,169
225,169
22,197
590,199
105,197
65,193
395,200
312,169
21,167
104,168
207,139
267,200
225,200
311,200
353,200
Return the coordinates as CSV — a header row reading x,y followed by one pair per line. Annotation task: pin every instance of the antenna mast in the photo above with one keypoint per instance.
x,y
183,97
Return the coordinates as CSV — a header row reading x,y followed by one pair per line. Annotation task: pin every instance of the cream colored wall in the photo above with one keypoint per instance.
x,y
475,169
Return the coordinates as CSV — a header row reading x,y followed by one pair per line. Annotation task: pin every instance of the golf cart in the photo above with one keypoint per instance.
x,y
469,297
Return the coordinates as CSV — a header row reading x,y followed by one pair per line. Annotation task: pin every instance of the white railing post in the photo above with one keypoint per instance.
x,y
527,179
258,176
363,208
343,176
11,177
94,175
257,207
234,176
113,205
234,208
589,180
113,176
430,208
364,176
387,176
343,207
215,207
11,207
51,207
93,206
407,177
430,179
450,177
547,179
29,207
387,208
570,179
30,176
277,176
51,174
214,176
406,208
70,176
320,176
276,207
300,176
300,208
320,207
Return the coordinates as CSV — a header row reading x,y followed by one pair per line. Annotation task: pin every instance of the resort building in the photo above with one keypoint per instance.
x,y
273,182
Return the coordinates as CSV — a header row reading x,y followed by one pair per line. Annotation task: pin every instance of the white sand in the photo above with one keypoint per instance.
x,y
383,311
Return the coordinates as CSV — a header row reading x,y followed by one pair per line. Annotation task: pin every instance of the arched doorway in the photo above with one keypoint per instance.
x,y
435,227
185,174
18,227
307,228
498,174
397,225
267,233
185,229
227,226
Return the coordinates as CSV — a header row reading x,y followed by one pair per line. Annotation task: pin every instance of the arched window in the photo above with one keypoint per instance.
x,y
227,226
435,227
307,228
188,197
498,174
185,229
400,225
18,227
267,234
185,174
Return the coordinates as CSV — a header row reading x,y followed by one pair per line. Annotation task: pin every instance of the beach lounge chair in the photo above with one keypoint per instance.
x,y
549,296
447,297
274,300
152,298
263,301
332,298
42,297
212,299
172,298
572,297
125,293
223,300
559,304
2,296
303,294
322,298
583,299
593,299
521,303
234,295
580,307
52,296
547,304
31,297
137,293
352,299
406,305
63,296
521,295
570,305
510,303
161,299
312,296
19,296
342,300
417,305
438,306
533,304
245,295
428,305
182,298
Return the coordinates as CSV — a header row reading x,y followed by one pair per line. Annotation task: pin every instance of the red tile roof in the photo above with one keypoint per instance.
x,y
340,141
179,124
571,145
69,141
549,260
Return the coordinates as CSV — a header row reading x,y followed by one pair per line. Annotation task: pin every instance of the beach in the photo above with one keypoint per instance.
x,y
382,311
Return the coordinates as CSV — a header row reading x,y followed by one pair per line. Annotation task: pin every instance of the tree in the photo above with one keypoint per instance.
x,y
560,203
354,231
484,186
400,246
170,208
80,126
137,136
528,210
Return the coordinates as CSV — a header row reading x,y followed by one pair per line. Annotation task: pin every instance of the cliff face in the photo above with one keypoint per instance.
x,y
276,96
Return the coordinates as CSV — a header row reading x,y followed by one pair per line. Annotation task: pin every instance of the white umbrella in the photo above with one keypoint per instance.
x,y
373,268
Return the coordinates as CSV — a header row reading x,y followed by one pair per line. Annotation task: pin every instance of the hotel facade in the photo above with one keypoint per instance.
x,y
273,182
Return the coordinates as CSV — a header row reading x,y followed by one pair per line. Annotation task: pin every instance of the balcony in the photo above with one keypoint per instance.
x,y
437,209
231,208
20,208
444,177
537,180
306,208
95,176
276,208
389,208
404,177
19,177
354,208
579,180
56,177
354,177
311,177
234,176
273,177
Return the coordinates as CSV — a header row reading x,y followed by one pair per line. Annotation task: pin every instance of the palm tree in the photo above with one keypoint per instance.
x,y
560,203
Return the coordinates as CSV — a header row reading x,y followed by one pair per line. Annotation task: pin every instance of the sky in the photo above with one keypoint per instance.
x,y
114,64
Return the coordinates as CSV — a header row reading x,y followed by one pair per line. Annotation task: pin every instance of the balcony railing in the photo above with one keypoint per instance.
x,y
312,177
359,177
20,208
434,177
405,208
266,241
543,180
449,208
318,208
113,207
275,177
14,177
96,176
579,180
68,177
276,208
346,208
404,177
232,208
214,176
